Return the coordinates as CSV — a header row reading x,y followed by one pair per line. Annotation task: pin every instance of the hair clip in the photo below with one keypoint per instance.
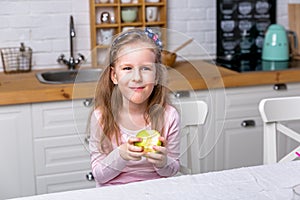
x,y
147,31
153,36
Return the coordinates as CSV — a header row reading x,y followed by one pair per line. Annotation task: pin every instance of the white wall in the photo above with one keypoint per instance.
x,y
43,25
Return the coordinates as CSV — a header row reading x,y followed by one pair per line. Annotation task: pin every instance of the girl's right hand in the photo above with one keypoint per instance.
x,y
130,152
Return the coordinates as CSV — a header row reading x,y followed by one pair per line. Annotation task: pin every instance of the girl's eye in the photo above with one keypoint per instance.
x,y
126,68
146,68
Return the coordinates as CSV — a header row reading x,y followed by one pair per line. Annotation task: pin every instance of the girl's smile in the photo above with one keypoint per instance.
x,y
137,89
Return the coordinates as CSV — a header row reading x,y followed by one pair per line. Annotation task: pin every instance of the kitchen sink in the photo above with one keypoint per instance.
x,y
69,76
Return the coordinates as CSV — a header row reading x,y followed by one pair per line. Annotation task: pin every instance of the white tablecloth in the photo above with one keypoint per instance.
x,y
260,182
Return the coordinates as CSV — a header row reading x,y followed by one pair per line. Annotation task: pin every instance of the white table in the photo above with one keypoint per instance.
x,y
260,182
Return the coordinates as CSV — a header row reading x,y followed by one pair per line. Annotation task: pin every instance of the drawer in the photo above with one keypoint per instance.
x,y
60,154
243,102
59,118
63,182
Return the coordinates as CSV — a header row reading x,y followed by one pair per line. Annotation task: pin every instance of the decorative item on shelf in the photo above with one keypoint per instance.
x,y
105,17
112,19
151,13
16,59
129,14
152,1
105,36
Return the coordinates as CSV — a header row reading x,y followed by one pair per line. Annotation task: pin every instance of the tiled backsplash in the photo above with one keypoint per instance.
x,y
43,25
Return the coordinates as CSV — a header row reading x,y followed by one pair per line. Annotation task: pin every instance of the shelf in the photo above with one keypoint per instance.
x,y
114,9
107,25
106,5
130,4
155,4
132,24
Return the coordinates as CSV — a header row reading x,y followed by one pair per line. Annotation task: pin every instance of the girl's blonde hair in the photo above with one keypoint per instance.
x,y
108,98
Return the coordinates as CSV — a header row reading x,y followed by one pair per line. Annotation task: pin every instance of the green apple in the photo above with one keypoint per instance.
x,y
150,138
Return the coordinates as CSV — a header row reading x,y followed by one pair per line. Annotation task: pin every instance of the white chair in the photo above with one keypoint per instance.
x,y
274,111
193,114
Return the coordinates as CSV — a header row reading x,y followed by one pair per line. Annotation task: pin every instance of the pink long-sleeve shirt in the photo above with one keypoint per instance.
x,y
111,169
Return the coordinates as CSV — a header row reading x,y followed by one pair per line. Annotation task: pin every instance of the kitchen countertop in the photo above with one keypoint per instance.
x,y
194,75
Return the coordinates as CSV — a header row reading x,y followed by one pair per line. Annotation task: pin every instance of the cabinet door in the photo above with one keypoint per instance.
x,y
240,135
239,146
17,170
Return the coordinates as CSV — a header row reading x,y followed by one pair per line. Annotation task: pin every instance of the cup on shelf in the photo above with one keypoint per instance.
x,y
129,14
151,13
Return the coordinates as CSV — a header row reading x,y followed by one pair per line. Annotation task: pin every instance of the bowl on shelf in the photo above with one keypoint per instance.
x,y
129,14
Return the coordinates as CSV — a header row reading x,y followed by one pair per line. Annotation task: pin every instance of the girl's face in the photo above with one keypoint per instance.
x,y
135,73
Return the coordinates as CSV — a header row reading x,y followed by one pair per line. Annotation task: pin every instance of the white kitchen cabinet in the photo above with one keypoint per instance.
x,y
61,158
240,136
17,169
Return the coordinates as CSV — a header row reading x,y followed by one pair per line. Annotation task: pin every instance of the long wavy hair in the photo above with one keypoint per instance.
x,y
108,98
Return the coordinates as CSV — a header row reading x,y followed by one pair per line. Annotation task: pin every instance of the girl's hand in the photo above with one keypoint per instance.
x,y
158,158
130,152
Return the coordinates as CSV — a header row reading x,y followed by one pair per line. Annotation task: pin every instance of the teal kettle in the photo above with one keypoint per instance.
x,y
276,44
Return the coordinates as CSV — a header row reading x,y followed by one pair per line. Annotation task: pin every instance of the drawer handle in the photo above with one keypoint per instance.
x,y
88,102
87,140
248,123
280,86
89,176
181,94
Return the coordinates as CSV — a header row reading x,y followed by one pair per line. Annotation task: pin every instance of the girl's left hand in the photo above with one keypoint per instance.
x,y
158,158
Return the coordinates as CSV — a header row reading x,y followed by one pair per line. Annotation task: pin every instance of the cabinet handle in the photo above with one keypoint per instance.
x,y
280,86
89,176
88,102
248,123
181,94
87,139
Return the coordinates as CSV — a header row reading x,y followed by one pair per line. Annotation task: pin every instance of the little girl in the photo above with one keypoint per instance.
x,y
132,96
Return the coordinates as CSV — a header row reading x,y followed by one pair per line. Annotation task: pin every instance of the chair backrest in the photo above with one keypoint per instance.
x,y
193,114
274,111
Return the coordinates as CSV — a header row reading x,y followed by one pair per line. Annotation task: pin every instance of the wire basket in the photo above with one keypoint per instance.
x,y
16,60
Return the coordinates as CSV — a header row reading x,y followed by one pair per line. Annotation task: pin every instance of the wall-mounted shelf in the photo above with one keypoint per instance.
x,y
102,29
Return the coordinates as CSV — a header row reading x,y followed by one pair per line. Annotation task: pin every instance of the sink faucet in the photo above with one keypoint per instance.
x,y
72,62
